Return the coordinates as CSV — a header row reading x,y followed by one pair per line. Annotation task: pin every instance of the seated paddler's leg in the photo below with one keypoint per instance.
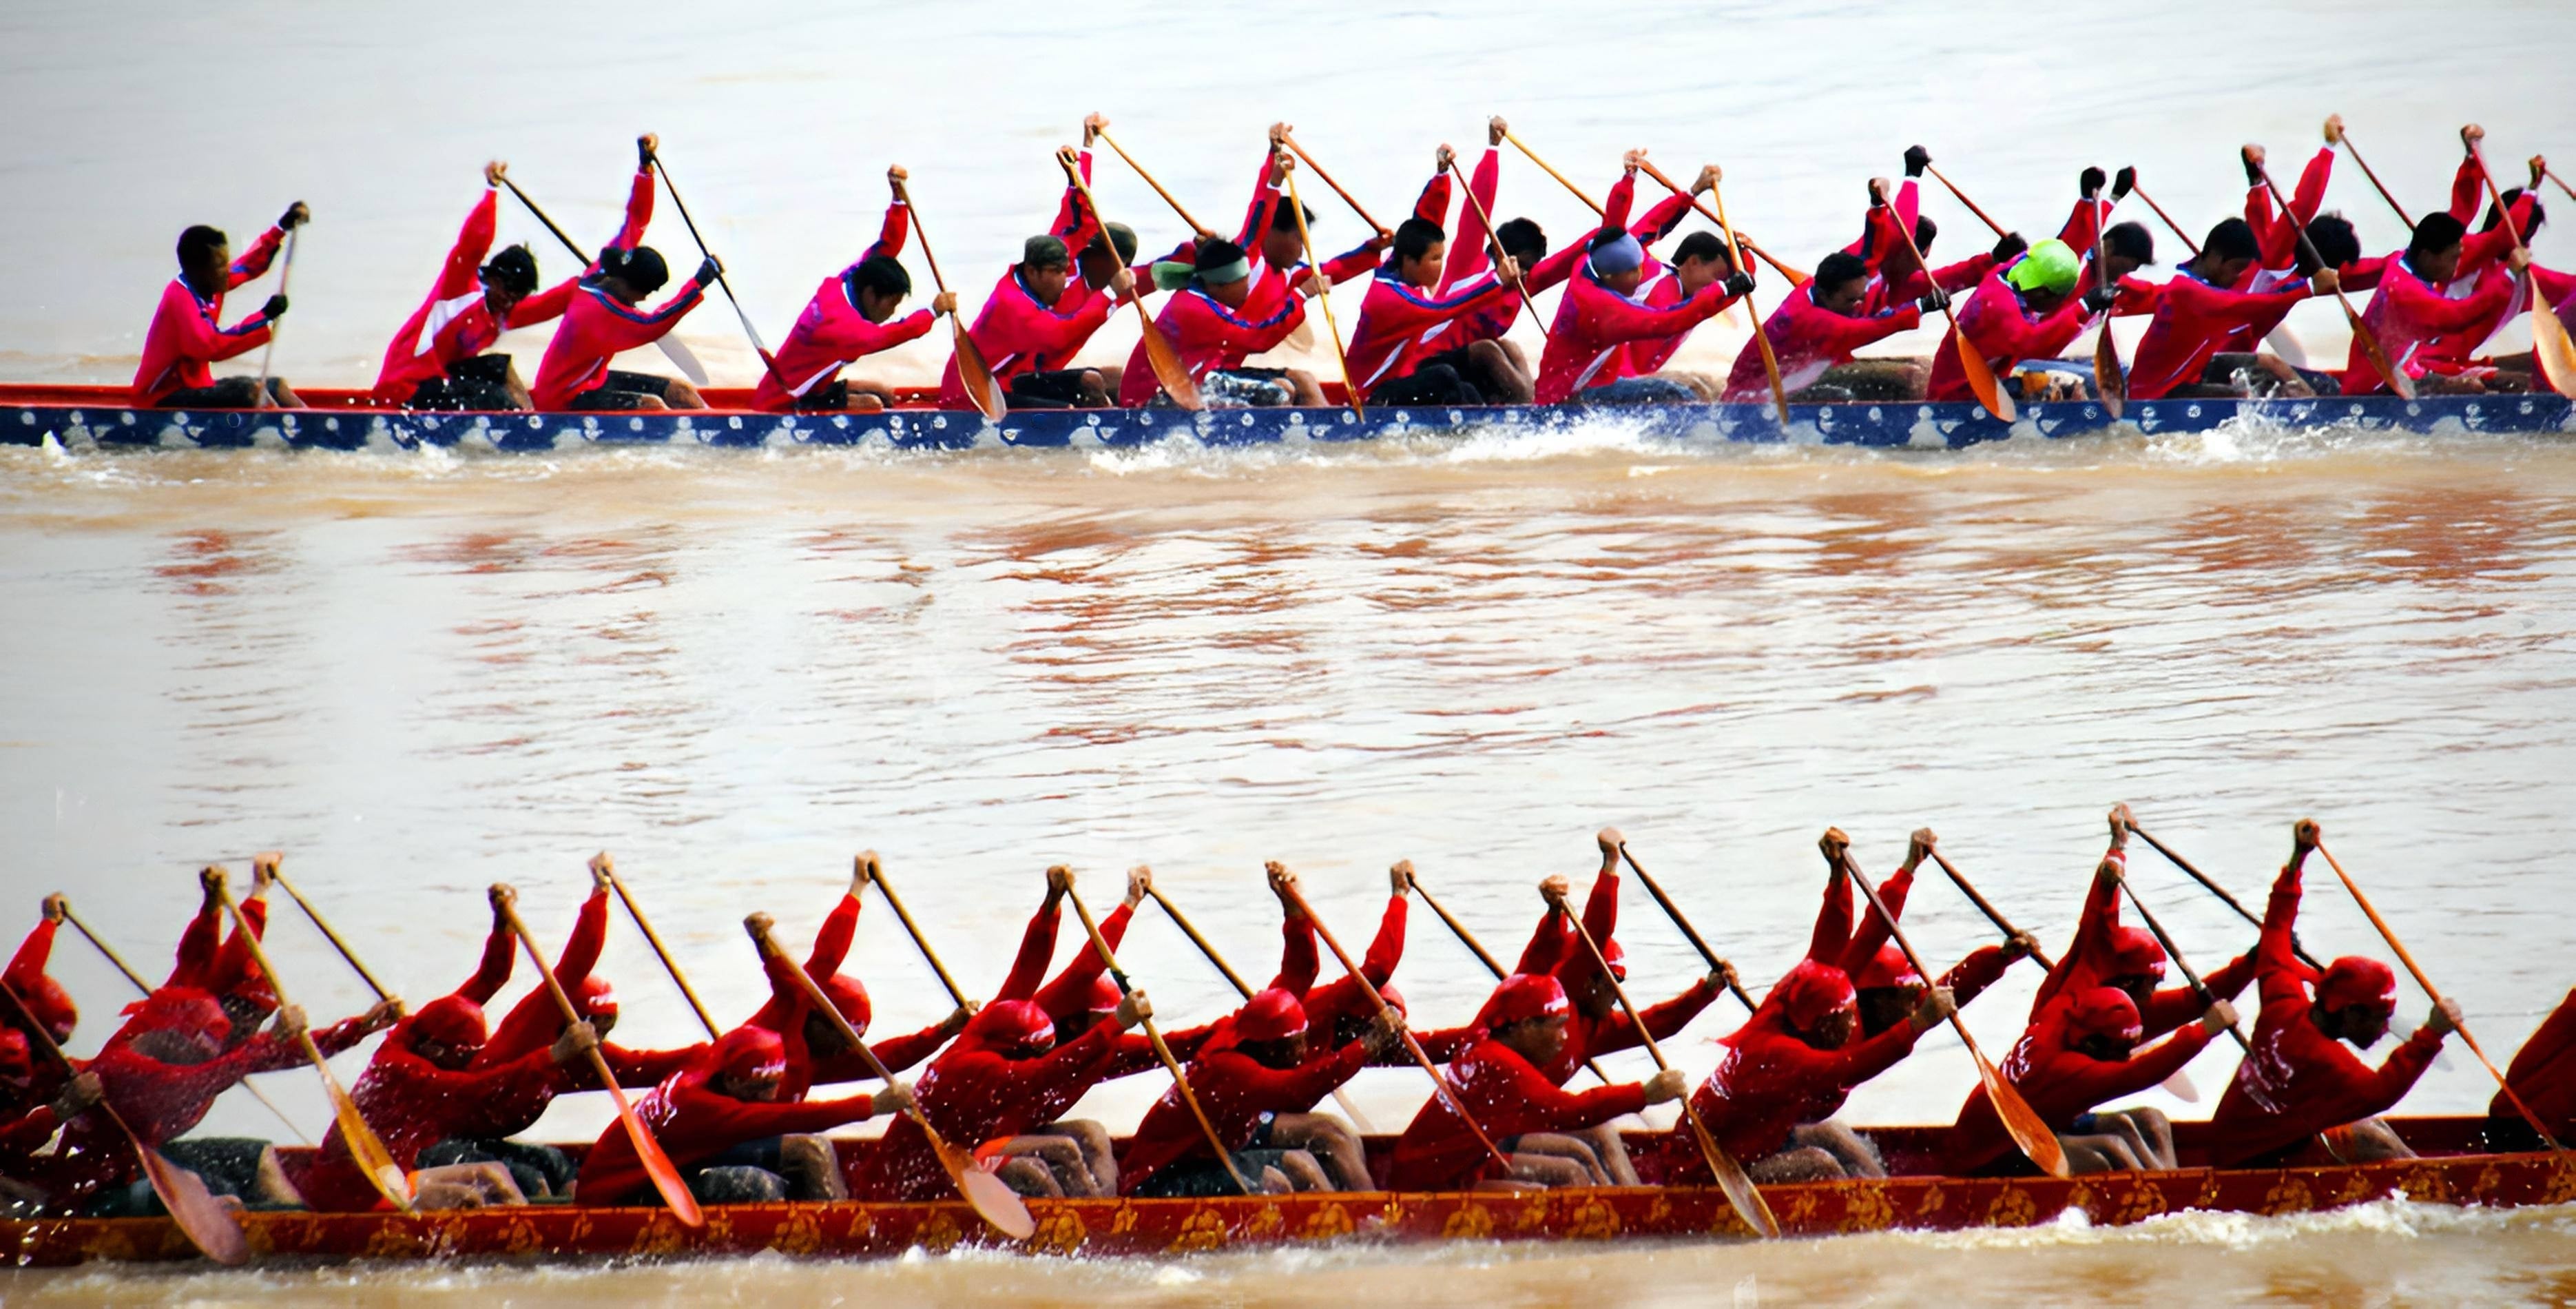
x,y
465,1186
1798,1163
529,1176
2368,1141
552,1168
1573,1149
738,1184
1850,1149
1330,1142
2148,1132
2102,1152
1060,1157
812,1168
1097,1154
1549,1170
1497,369
1612,1152
239,1166
1028,1176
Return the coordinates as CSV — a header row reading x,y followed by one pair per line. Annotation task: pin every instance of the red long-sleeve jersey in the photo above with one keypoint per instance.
x,y
414,1104
1771,1081
694,1123
1808,339
2194,320
1343,999
1208,336
2061,1084
2275,234
972,1095
832,334
187,336
597,327
2297,1081
535,1021
2408,314
1235,1090
1507,1097
2004,332
1019,333
1585,345
2087,964
2543,1073
1471,256
1395,318
43,996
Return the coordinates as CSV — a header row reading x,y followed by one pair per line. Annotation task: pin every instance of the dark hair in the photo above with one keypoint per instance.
x,y
2130,241
1413,236
2436,231
1605,238
1283,217
1924,230
2232,239
1703,246
513,270
1522,240
641,267
883,275
1117,238
2334,239
1217,253
1840,267
197,240
2495,216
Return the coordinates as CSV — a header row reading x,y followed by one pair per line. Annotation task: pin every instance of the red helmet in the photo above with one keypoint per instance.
x,y
1105,995
1812,992
52,1006
1011,1025
595,999
1273,1015
14,1061
749,1053
2103,1011
1616,956
1524,996
452,1021
2135,952
848,996
1394,998
1888,968
2354,980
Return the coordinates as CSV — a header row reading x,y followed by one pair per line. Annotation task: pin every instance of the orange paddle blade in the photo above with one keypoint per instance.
x,y
1168,369
2549,344
2107,377
648,1152
2020,1120
365,1148
977,375
209,1226
991,1197
1732,1179
1981,379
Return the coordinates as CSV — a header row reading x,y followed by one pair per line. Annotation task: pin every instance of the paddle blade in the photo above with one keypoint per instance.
x,y
2550,346
681,359
658,1166
1981,379
2107,377
2023,1123
365,1148
209,1226
1168,368
2388,372
991,1197
2181,1087
977,375
1732,1179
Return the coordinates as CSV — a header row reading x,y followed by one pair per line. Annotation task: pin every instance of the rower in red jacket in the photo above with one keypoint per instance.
x,y
816,1054
712,1118
2027,310
1500,1083
2080,1055
1896,276
2543,1073
536,1022
1701,259
1208,326
1816,328
1601,313
2207,306
1026,328
846,322
38,991
2464,353
35,1103
1392,348
2286,259
2412,308
436,360
2299,1081
2103,952
1252,1077
187,335
604,319
1004,1076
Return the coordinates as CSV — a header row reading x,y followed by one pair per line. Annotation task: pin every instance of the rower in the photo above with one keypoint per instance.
x,y
1386,356
2455,353
1209,328
2104,952
537,1022
1257,1082
2026,310
2209,303
35,1103
1031,326
1501,1084
602,320
816,1052
2299,1081
36,989
2082,1053
437,360
2412,309
713,1119
187,335
1815,330
845,322
2543,1073
1602,312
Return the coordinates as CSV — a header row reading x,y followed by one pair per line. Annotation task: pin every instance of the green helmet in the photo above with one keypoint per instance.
x,y
2051,265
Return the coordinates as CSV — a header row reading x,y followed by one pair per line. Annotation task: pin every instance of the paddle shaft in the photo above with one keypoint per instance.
x,y
2388,373
2221,892
109,953
1761,338
920,942
2179,234
1971,362
1439,1084
1673,912
1476,947
748,330
1795,277
584,255
1722,1166
2407,958
268,356
654,939
1346,196
1986,907
2376,184
1195,225
1192,932
2199,988
1495,243
965,344
333,937
1168,368
1324,296
2552,175
1180,1078
1962,197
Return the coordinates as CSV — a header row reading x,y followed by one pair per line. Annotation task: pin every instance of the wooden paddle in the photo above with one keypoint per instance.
x,y
2179,234
1981,378
1234,979
285,271
2407,958
2549,346
648,1150
1610,837
1324,296
365,1148
670,345
1494,243
1202,229
2109,379
1962,197
2388,372
606,868
767,360
270,861
1477,948
1180,1077
2335,135
870,869
1169,372
2023,1123
1383,231
206,1223
2199,989
1439,1084
971,368
1761,338
1731,1177
1795,277
2552,175
992,1199
2221,892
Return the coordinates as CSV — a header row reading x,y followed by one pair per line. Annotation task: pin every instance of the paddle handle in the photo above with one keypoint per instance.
x,y
660,951
1550,170
105,949
876,874
1494,241
2179,234
1346,196
1986,907
1180,1078
1761,338
2407,958
1191,931
268,355
2375,183
1195,225
1673,912
1315,262
2221,892
1439,1084
1962,197
332,936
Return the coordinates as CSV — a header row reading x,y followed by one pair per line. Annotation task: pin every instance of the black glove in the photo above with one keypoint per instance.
x,y
643,156
2011,245
274,309
2123,182
1933,301
2101,298
1916,160
296,216
2089,182
708,271
1738,282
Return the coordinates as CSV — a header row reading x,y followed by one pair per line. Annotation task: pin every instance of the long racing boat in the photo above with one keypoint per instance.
x,y
2453,1170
